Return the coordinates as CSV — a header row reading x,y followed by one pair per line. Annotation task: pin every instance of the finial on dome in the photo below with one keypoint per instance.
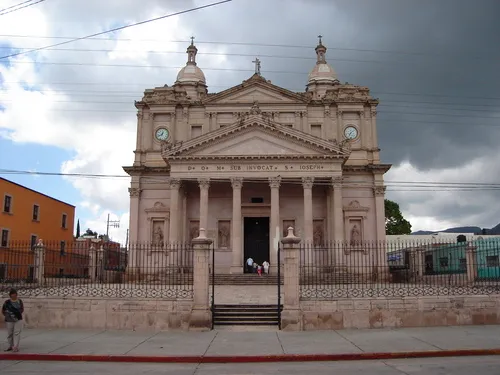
x,y
321,51
192,51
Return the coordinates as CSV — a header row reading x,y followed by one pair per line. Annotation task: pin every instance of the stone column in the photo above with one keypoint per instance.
x,y
307,183
201,318
39,250
291,318
275,232
175,185
135,195
236,238
204,184
338,221
380,260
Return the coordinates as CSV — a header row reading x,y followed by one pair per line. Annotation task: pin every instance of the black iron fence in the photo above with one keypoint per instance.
x,y
399,269
97,269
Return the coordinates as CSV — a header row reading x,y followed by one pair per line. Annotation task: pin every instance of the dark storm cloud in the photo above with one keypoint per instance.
x,y
452,50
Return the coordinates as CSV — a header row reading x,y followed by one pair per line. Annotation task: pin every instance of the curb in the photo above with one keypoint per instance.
x,y
246,359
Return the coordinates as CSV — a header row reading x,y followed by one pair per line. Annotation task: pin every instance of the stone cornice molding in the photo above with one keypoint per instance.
x,y
139,170
184,151
371,168
379,191
159,207
237,182
355,206
274,182
307,182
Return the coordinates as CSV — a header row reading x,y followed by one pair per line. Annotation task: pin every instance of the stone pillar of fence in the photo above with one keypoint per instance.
x,y
92,263
201,318
39,251
100,264
470,253
291,317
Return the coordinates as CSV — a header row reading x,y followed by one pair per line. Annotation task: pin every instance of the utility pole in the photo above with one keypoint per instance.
x,y
112,224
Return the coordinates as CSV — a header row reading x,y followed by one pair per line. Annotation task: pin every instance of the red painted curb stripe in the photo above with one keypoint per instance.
x,y
246,359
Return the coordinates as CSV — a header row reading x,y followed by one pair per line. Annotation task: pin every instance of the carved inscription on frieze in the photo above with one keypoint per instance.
x,y
256,167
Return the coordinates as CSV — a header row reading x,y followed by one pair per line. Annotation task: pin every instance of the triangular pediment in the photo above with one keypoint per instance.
x,y
256,89
256,136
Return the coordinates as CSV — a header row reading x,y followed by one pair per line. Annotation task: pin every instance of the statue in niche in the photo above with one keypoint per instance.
x,y
158,237
194,231
224,234
318,235
355,235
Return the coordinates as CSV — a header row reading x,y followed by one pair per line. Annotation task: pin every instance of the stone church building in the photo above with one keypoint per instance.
x,y
248,162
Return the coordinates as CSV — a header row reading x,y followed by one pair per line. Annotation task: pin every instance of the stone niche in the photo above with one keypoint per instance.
x,y
223,234
319,233
158,217
355,216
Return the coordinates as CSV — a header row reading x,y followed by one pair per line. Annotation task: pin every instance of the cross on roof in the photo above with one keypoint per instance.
x,y
257,65
320,36
192,40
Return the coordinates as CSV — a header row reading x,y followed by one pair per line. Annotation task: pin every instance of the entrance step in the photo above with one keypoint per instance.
x,y
246,315
246,279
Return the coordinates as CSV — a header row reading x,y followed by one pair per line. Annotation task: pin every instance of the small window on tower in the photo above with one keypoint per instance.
x,y
257,200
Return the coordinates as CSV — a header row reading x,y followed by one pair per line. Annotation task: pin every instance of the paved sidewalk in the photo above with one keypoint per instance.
x,y
236,342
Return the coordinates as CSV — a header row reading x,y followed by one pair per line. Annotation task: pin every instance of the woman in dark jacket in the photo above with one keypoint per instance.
x,y
13,310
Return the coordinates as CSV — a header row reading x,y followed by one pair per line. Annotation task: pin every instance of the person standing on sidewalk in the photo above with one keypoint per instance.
x,y
13,310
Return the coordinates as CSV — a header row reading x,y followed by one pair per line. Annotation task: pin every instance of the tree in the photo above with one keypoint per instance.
x,y
78,229
395,223
89,232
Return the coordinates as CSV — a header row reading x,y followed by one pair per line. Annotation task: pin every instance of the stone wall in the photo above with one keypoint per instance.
x,y
398,312
112,314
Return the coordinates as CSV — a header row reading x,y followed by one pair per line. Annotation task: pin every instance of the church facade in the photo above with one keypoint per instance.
x,y
249,162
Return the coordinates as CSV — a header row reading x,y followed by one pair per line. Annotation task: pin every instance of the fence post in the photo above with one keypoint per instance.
x,y
291,317
201,318
92,263
470,253
39,262
100,264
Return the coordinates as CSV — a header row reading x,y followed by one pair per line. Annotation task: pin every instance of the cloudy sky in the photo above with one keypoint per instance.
x,y
433,65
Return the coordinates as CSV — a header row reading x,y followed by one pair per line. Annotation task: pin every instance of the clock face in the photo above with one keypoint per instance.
x,y
351,132
162,134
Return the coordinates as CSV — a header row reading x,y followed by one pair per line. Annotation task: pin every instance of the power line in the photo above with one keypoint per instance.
x,y
310,47
4,11
383,111
116,29
448,186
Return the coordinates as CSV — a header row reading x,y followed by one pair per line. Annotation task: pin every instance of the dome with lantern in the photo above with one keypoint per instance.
x,y
191,73
322,71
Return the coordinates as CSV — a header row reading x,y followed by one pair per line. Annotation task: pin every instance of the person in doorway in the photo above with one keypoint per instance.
x,y
255,265
13,310
259,270
266,265
250,265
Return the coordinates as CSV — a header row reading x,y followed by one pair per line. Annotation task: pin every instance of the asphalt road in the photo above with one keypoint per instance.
x,y
427,366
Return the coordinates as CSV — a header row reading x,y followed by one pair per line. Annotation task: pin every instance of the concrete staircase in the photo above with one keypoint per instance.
x,y
246,315
246,279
